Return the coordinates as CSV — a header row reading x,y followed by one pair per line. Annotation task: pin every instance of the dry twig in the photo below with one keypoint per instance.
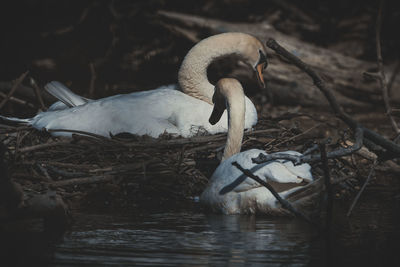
x,y
17,100
44,146
362,189
38,94
83,180
314,158
328,185
393,77
14,88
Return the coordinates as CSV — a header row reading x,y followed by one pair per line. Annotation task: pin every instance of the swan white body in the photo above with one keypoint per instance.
x,y
163,110
231,192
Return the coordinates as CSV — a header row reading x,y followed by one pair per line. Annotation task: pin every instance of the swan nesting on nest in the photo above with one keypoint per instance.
x,y
231,192
163,110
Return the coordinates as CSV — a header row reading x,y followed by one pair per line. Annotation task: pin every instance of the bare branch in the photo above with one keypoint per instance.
x,y
18,100
362,188
314,158
43,146
328,186
84,180
339,112
37,93
15,86
393,78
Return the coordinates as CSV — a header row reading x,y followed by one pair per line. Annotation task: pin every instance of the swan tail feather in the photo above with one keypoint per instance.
x,y
15,120
308,199
313,188
64,94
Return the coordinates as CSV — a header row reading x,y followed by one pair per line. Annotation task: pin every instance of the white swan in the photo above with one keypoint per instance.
x,y
231,192
161,110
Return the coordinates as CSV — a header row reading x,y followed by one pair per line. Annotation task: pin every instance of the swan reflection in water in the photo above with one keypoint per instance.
x,y
191,239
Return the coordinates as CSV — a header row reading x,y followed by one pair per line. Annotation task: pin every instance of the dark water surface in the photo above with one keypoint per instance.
x,y
191,239
188,237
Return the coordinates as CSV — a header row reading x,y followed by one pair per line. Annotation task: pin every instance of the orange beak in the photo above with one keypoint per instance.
x,y
259,74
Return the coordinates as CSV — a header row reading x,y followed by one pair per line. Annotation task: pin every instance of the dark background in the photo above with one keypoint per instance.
x,y
132,50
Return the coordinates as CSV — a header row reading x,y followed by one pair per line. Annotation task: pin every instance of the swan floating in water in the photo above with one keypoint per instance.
x,y
228,190
158,111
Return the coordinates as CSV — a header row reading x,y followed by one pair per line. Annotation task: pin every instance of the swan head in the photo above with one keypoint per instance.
x,y
250,50
226,88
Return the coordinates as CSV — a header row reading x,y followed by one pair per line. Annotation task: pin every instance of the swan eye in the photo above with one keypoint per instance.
x,y
263,58
262,61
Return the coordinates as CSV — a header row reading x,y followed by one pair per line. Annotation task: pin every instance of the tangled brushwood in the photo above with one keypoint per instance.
x,y
125,171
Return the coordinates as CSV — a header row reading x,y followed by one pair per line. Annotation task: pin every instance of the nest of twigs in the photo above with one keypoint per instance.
x,y
124,170
87,172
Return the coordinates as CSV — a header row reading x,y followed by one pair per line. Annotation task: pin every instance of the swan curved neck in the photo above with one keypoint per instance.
x,y
192,74
236,117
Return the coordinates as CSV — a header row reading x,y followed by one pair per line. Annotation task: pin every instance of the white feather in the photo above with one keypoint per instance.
x,y
65,95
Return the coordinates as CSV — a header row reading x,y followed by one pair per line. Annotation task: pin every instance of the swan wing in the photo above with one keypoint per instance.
x,y
228,178
65,95
302,171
